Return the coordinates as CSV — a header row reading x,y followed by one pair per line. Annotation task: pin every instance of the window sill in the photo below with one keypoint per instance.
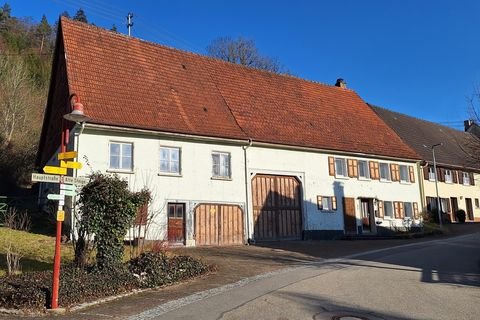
x,y
221,178
364,179
341,177
120,171
166,174
385,181
405,182
327,211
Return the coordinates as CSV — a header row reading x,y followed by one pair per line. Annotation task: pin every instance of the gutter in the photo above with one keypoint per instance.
x,y
247,181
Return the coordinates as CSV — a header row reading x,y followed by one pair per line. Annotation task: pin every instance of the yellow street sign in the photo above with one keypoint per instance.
x,y
67,155
70,164
60,215
54,170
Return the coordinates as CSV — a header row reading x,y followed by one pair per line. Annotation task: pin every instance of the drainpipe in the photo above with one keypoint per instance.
x,y
76,144
247,180
421,185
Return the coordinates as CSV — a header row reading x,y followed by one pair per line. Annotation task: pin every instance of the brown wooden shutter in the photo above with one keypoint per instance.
x,y
425,173
331,166
472,178
396,209
377,170
449,207
371,166
441,174
381,213
395,172
319,203
454,176
334,203
411,171
415,210
350,168
402,210
355,168
460,177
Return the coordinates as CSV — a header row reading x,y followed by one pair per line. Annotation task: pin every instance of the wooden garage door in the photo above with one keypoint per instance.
x,y
277,210
218,225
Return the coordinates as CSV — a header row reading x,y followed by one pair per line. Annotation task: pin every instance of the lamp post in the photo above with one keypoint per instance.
x,y
76,115
436,182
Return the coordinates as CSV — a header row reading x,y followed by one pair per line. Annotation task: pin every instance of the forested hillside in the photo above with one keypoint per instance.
x,y
26,49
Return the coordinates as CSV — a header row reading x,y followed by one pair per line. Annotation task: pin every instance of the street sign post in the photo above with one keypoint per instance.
x,y
70,187
40,177
53,196
69,193
80,181
70,164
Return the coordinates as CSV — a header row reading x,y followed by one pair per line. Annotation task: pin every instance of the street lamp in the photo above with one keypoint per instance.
x,y
76,115
436,181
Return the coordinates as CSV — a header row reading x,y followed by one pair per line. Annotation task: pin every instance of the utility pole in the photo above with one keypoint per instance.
x,y
129,22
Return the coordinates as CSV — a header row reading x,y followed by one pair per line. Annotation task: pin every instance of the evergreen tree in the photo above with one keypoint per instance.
x,y
5,12
43,32
80,16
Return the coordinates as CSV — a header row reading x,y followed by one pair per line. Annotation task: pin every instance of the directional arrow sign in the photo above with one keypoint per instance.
x,y
69,193
67,155
53,196
70,187
39,177
55,170
81,181
70,164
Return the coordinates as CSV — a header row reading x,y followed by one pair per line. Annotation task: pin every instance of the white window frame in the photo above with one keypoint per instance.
x,y
222,156
431,173
170,161
342,164
326,204
448,176
366,168
392,212
466,178
121,157
407,173
389,178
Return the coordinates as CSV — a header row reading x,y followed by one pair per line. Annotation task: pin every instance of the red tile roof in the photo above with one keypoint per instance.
x,y
128,82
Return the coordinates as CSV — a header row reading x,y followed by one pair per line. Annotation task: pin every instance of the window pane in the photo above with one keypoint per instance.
x,y
127,150
114,149
164,154
340,167
171,210
326,203
164,165
384,171
363,169
408,209
114,162
175,167
174,154
388,207
179,211
403,173
127,163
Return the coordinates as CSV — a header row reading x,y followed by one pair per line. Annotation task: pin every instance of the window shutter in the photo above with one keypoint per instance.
x,y
441,174
334,203
460,177
425,173
371,165
401,210
415,210
412,174
449,208
319,203
355,168
350,168
472,178
455,176
396,209
395,172
331,166
381,213
377,170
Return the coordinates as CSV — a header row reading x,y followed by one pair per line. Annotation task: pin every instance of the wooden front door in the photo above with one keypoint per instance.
x,y
454,202
176,222
349,219
277,210
368,220
468,203
219,225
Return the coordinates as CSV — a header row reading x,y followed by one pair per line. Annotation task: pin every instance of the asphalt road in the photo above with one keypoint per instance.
x,y
437,279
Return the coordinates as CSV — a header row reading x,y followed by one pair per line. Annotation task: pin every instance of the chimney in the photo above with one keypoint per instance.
x,y
467,124
341,83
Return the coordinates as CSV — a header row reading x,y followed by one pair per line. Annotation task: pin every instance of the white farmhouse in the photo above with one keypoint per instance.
x,y
230,153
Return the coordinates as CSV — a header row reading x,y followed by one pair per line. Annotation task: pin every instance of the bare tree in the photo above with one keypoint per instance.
x,y
243,51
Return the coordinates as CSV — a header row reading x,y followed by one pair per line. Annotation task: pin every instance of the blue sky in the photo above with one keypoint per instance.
x,y
417,57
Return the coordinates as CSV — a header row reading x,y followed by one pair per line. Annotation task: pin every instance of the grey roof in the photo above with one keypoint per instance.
x,y
459,149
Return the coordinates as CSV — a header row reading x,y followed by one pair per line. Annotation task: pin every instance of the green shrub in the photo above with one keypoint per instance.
x,y
461,215
28,291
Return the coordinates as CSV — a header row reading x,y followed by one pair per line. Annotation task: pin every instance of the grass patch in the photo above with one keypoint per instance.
x,y
37,250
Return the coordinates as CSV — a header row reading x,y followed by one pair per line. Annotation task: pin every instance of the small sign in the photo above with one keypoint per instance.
x,y
67,155
60,215
53,196
70,164
40,177
55,170
81,181
69,193
70,187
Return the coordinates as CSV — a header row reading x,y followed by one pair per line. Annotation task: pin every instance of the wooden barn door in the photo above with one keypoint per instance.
x,y
277,210
218,225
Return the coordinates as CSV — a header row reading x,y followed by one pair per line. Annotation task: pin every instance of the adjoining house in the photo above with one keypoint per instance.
x,y
230,153
457,160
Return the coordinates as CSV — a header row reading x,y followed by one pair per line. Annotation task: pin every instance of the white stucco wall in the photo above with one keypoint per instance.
x,y
459,191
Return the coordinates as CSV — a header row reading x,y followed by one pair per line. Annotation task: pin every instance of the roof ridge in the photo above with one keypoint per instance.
x,y
216,60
